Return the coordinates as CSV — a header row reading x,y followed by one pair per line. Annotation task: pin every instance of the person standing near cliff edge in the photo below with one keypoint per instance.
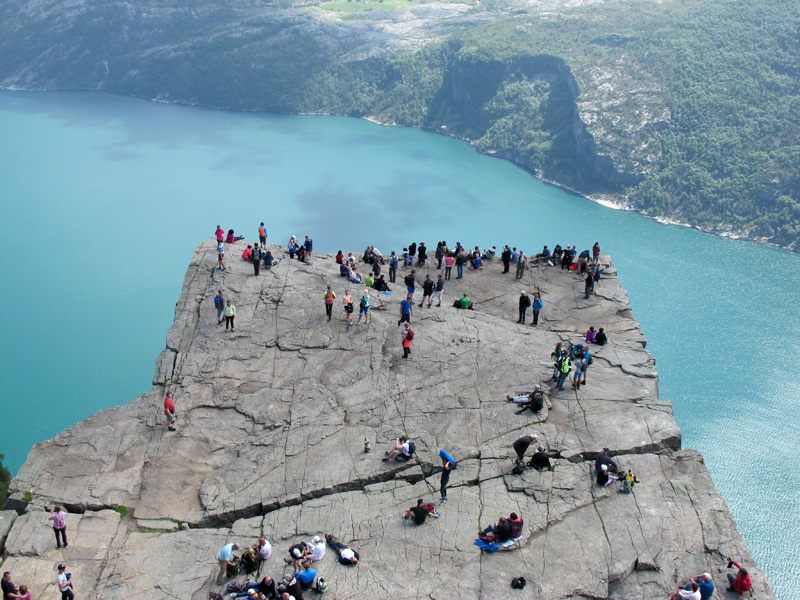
x,y
262,234
169,412
309,246
448,464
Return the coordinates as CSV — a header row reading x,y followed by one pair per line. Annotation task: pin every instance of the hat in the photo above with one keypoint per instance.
x,y
604,467
62,567
316,539
251,591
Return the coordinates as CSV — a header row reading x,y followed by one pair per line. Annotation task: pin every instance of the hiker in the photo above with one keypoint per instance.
x,y
516,525
393,263
437,292
588,277
427,290
10,591
533,401
370,279
401,451
297,555
461,260
292,247
501,530
420,513
596,260
410,281
505,256
248,563
563,366
263,549
290,587
58,516
363,310
541,459
269,260
422,255
463,302
247,253
348,306
65,584
308,245
380,285
230,315
255,258
604,458
226,558
408,338
448,464
170,414
521,445
601,338
221,256
556,356
406,309
537,307
741,581
219,304
577,376
439,254
524,303
522,264
220,233
347,556
693,593
329,297
266,587
543,255
262,234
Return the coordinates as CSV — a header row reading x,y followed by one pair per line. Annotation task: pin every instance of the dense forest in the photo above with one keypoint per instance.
x,y
688,110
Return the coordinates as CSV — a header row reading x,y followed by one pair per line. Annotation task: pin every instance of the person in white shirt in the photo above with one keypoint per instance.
x,y
317,549
693,594
264,549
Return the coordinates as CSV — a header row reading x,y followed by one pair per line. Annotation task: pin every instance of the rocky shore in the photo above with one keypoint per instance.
x,y
270,442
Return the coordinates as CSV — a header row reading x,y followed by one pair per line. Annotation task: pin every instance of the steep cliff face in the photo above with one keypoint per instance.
x,y
273,420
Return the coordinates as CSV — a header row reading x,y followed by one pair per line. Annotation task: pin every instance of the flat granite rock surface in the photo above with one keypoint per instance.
x,y
272,424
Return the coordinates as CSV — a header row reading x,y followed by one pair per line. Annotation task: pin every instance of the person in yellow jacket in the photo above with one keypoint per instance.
x,y
329,297
229,312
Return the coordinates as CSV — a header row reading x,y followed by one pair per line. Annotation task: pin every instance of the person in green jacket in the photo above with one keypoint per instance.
x,y
464,302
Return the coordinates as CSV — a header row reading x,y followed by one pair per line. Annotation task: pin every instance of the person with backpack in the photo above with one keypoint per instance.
x,y
420,513
221,256
308,246
410,281
537,307
255,258
587,360
393,263
564,366
408,337
448,464
348,306
329,297
461,260
524,303
262,234
439,254
363,310
402,451
219,304
580,366
556,356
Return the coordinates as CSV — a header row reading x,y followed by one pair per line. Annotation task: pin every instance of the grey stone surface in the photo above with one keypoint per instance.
x,y
271,430
7,518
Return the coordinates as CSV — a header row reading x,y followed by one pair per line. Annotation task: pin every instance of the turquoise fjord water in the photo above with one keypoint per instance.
x,y
104,199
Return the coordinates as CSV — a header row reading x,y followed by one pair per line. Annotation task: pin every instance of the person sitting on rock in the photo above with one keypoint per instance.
x,y
344,270
380,284
704,586
741,581
291,586
693,593
605,478
601,339
263,550
533,401
516,525
420,513
501,530
355,277
307,576
249,564
401,450
266,587
604,458
269,260
463,302
347,556
317,549
590,335
541,459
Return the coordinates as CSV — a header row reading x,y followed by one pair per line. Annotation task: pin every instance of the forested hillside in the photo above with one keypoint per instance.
x,y
688,110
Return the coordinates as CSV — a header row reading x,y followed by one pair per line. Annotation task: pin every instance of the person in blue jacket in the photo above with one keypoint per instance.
x,y
306,577
537,306
448,464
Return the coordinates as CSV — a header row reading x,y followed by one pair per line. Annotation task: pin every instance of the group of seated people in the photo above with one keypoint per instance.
x,y
266,257
533,401
596,337
504,529
349,270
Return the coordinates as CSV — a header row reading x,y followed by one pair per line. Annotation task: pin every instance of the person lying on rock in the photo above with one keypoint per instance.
x,y
533,401
541,459
420,513
347,556
501,530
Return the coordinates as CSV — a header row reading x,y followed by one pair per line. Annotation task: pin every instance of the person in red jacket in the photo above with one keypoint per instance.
x,y
408,336
740,582
169,411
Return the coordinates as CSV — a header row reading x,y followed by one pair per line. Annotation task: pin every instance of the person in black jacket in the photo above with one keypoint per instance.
x,y
427,290
524,303
501,530
603,458
506,258
422,255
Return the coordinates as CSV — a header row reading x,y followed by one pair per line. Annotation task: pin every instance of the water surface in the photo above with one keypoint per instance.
x,y
104,199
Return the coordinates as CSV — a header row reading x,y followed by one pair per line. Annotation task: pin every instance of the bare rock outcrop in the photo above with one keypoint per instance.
x,y
272,423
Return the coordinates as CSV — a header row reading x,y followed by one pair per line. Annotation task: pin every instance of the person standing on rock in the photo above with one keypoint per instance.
x,y
230,315
220,233
255,257
596,260
59,519
309,246
64,582
393,263
225,558
448,464
348,306
221,256
329,297
437,292
449,261
537,307
10,591
219,304
427,290
169,413
522,264
524,303
521,445
588,277
363,308
408,337
262,234
406,310
505,256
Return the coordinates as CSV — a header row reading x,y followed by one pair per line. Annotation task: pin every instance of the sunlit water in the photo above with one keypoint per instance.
x,y
104,199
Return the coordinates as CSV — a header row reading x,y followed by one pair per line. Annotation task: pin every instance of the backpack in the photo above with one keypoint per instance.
x,y
518,469
364,304
234,587
233,570
518,583
410,335
321,586
217,301
409,281
394,262
329,297
565,364
256,255
588,358
412,447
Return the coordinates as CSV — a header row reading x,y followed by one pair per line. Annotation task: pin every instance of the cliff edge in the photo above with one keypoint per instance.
x,y
270,442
